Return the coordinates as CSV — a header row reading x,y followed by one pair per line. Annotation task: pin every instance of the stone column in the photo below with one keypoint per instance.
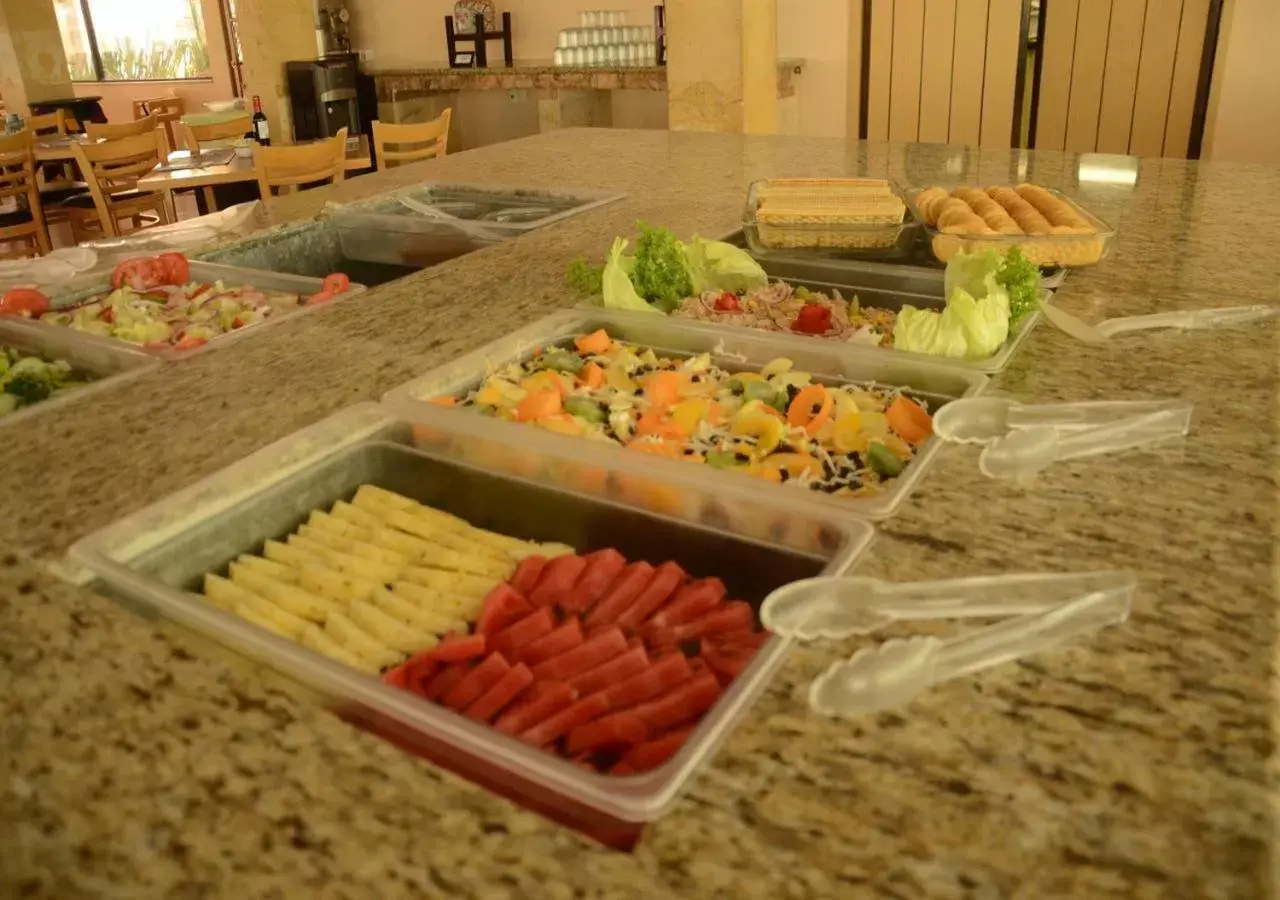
x,y
273,32
33,65
722,65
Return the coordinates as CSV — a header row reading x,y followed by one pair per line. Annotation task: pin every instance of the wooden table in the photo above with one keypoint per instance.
x,y
239,170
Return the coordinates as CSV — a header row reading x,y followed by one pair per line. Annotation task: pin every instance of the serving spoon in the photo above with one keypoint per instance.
x,y
1185,320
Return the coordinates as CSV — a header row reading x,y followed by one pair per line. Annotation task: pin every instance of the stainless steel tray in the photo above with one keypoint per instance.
x,y
152,559
831,362
111,364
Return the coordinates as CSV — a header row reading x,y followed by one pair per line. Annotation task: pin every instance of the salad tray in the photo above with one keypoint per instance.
x,y
110,364
734,349
153,560
201,272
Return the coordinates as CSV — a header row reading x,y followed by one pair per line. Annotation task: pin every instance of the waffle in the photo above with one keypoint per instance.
x,y
827,213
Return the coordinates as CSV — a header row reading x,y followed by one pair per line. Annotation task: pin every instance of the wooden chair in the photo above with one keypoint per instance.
x,y
195,135
428,140
168,114
113,131
112,169
49,123
58,181
301,164
21,212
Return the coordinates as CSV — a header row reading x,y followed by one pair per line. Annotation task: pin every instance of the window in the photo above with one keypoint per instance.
x,y
133,40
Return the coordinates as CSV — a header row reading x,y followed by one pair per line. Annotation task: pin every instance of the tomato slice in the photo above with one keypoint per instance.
x,y
319,298
190,343
476,682
176,268
336,283
24,302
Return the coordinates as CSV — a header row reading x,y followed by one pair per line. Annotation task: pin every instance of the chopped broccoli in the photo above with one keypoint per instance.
x,y
1021,278
29,389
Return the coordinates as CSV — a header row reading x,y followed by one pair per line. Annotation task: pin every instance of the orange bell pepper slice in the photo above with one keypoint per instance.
x,y
811,409
538,404
909,419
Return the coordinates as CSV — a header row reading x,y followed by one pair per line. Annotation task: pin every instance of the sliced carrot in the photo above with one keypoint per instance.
x,y
663,388
811,409
592,376
909,419
445,401
538,404
593,344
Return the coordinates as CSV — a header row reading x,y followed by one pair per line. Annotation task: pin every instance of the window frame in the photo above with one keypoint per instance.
x,y
95,57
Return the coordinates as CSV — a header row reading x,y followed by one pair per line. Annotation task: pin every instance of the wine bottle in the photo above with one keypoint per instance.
x,y
261,131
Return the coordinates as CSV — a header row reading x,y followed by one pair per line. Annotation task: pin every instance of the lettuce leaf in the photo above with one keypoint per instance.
x,y
717,266
970,272
617,290
968,328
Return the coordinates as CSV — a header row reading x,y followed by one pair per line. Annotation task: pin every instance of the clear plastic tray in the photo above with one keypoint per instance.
x,y
1069,250
203,272
150,560
881,285
838,239
111,364
730,348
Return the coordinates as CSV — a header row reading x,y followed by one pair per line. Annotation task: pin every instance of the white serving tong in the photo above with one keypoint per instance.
x,y
1186,320
1042,611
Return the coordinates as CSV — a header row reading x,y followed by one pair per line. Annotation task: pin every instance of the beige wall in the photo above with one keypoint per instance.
x,y
1244,114
273,32
817,31
33,65
409,33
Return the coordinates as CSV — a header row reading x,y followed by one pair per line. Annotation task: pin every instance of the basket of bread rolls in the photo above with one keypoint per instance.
x,y
827,216
1047,227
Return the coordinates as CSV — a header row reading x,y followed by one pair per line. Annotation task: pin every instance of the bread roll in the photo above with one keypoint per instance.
x,y
1056,210
957,217
991,212
928,201
1022,212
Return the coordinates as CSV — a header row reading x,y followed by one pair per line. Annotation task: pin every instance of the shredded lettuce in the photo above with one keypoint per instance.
x,y
717,266
617,290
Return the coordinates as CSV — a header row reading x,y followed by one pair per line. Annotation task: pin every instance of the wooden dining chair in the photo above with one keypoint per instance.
x,y
58,180
168,113
301,164
21,212
427,140
113,131
112,169
48,123
195,135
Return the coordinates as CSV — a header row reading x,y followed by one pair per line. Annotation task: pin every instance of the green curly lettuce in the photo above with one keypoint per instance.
x,y
660,275
1021,278
584,277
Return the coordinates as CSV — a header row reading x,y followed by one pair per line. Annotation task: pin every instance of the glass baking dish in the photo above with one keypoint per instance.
x,y
734,349
152,561
1046,250
823,235
204,272
110,365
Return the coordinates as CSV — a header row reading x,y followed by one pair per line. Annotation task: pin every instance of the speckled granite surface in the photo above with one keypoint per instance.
x,y
1138,764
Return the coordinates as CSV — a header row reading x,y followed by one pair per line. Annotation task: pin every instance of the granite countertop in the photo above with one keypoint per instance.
x,y
139,763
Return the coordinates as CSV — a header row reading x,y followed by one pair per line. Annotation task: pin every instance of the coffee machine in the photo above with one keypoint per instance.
x,y
333,33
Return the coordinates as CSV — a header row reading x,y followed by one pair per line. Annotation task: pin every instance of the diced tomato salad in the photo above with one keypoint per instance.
x,y
608,663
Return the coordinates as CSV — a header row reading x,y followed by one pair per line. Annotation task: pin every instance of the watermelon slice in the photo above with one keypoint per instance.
x,y
445,680
659,678
666,579
634,660
457,648
730,618
562,640
651,754
580,713
684,704
503,606
619,731
621,594
527,574
530,628
691,601
510,686
542,701
603,569
560,575
583,658
476,682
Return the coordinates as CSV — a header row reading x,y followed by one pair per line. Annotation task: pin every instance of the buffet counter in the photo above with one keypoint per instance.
x,y
141,761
